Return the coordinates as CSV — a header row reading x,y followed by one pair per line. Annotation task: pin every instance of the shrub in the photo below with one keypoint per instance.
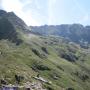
x,y
49,87
70,89
45,50
69,56
35,52
39,66
82,76
41,55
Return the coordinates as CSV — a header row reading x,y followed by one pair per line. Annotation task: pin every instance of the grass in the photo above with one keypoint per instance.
x,y
20,60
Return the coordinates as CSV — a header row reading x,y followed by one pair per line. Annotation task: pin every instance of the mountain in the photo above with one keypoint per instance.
x,y
7,30
15,20
76,32
11,27
44,61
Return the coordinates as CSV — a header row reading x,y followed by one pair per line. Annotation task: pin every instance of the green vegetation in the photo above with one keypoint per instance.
x,y
26,60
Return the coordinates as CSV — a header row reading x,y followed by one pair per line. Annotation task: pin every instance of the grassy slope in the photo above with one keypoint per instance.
x,y
20,60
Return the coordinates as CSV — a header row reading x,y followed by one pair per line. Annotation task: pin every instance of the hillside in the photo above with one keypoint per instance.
x,y
63,64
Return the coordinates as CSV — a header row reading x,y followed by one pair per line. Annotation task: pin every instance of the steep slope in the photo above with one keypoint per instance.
x,y
64,64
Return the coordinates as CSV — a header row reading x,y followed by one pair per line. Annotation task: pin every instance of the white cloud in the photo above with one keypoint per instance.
x,y
27,17
17,7
79,6
11,5
85,18
51,4
1,4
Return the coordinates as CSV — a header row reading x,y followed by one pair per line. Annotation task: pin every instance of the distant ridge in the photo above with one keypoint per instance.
x,y
74,32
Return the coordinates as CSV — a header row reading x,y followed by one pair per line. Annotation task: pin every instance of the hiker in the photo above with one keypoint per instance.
x,y
17,78
38,75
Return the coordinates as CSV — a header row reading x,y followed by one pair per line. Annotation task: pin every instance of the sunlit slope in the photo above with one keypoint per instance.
x,y
63,63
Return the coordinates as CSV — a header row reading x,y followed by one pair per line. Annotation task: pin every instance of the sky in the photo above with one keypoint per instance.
x,y
50,12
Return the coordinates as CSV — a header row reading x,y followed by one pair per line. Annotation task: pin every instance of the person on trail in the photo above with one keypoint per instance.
x,y
38,75
17,78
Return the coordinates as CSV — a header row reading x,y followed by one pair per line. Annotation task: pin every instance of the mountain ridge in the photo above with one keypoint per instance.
x,y
74,32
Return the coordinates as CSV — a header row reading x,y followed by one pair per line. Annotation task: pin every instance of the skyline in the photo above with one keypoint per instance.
x,y
50,12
